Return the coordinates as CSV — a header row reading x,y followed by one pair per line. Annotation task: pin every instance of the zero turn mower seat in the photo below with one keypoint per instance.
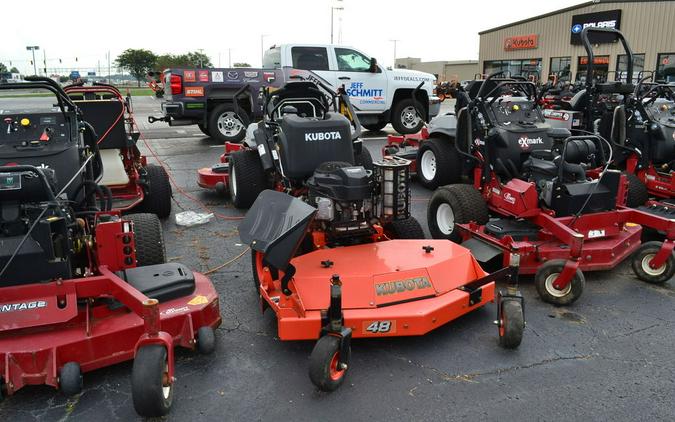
x,y
101,114
114,173
577,102
163,282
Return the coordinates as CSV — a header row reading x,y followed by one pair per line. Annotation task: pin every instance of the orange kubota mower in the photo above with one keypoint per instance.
x,y
326,264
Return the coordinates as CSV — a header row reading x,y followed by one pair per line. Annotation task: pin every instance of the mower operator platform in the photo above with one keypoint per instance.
x,y
417,285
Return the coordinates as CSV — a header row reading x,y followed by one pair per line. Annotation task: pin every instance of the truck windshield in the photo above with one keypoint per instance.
x,y
272,58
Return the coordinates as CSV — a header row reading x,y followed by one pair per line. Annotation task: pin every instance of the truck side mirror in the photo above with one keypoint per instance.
x,y
373,65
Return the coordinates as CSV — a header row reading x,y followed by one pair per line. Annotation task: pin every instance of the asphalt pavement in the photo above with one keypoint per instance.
x,y
607,357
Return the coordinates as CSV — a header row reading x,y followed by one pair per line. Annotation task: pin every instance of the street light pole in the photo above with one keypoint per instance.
x,y
332,8
393,66
32,48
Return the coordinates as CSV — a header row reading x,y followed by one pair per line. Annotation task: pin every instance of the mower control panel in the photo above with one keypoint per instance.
x,y
515,110
22,131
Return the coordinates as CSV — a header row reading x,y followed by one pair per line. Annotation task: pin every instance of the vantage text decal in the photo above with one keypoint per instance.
x,y
22,306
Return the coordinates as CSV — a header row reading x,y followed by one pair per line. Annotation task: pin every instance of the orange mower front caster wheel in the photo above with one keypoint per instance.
x,y
325,369
511,323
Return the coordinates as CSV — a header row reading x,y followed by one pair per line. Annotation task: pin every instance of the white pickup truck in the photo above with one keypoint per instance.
x,y
380,96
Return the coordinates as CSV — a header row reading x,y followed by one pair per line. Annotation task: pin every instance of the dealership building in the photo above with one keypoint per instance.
x,y
551,43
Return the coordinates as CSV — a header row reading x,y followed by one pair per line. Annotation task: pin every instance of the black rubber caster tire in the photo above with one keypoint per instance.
x,y
206,340
547,274
151,397
70,379
640,263
511,324
323,362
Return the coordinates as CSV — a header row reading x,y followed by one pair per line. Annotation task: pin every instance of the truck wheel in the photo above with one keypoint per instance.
x,y
149,239
158,197
438,163
226,125
455,204
247,178
404,117
637,191
376,127
204,130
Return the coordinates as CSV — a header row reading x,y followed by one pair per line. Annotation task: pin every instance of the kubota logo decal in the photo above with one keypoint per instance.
x,y
322,136
401,286
526,142
22,306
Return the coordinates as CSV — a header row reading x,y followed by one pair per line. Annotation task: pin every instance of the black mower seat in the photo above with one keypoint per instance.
x,y
102,114
163,282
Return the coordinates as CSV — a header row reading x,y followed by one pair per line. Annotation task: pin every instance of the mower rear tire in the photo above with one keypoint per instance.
x,y
455,204
640,263
324,364
247,178
206,340
637,193
409,228
150,248
438,163
511,324
151,390
364,159
70,379
158,198
204,130
547,273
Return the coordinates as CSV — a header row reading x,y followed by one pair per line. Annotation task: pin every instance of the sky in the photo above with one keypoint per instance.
x,y
231,30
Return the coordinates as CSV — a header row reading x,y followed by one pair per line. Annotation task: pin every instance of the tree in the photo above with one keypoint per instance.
x,y
242,65
3,68
197,59
14,70
63,79
189,60
137,62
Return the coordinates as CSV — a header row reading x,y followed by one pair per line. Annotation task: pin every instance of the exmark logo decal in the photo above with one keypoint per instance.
x,y
322,136
401,286
526,142
22,306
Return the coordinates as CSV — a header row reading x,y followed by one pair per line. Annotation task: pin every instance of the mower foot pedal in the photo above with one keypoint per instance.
x,y
221,168
163,282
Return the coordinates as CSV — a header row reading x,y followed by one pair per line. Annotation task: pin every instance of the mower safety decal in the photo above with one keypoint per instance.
x,y
199,300
194,91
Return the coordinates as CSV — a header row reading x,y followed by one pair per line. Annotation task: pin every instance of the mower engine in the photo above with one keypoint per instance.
x,y
351,200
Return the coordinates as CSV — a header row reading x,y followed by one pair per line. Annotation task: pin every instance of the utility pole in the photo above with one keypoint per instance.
x,y
229,57
201,51
109,67
393,66
33,48
333,8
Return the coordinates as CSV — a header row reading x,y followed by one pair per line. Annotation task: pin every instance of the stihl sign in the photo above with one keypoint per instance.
x,y
521,42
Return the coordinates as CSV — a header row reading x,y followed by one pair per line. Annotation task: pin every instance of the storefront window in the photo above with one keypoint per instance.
x,y
560,66
622,66
528,68
600,68
665,67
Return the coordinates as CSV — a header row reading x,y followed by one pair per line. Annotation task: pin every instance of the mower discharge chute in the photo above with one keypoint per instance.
x,y
325,263
553,198
81,286
133,183
305,106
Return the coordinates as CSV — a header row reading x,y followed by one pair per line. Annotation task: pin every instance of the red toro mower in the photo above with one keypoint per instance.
x,y
553,199
132,183
306,106
81,286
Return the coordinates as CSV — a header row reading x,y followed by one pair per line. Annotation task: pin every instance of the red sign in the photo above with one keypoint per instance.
x,y
596,60
194,91
203,76
521,42
666,61
189,76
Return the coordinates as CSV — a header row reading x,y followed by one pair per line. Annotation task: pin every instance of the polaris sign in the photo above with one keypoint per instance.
x,y
607,19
